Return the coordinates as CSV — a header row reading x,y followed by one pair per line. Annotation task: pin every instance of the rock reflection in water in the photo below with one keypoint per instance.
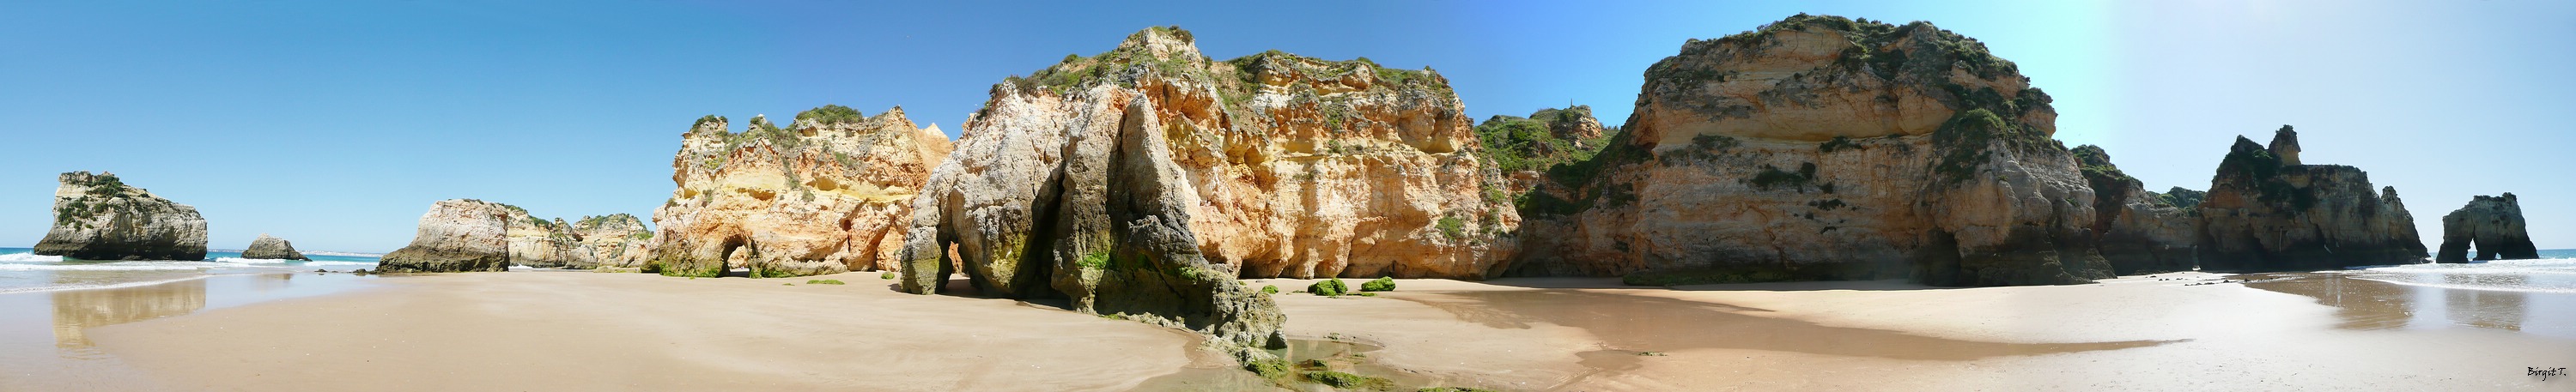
x,y
2363,302
75,311
1630,324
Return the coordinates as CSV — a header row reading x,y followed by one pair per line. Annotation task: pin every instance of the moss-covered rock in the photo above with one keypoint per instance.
x,y
1379,284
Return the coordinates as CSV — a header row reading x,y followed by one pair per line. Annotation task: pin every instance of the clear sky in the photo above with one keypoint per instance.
x,y
335,124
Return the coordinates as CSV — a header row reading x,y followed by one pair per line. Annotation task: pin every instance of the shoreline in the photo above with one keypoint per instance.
x,y
607,331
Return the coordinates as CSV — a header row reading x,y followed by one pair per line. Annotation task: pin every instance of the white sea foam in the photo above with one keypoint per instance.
x,y
2533,266
2536,275
322,263
28,258
238,260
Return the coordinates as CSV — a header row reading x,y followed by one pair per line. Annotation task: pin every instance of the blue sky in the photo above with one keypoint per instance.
x,y
335,124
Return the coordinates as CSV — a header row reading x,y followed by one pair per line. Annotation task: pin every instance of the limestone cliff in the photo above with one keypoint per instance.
x,y
612,242
457,235
2139,232
831,192
1298,167
538,242
1821,147
98,217
1144,179
273,248
2493,224
1529,149
2266,213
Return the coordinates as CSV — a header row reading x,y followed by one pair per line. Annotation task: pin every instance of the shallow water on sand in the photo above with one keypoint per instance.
x,y
2367,300
39,353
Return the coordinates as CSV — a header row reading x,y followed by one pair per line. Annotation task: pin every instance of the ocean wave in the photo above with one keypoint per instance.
x,y
28,258
321,263
237,260
2458,286
2532,266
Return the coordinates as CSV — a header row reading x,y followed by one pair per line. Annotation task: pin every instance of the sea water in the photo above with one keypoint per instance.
x,y
2554,272
21,270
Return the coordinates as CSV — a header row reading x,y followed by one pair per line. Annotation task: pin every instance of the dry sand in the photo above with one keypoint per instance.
x,y
595,331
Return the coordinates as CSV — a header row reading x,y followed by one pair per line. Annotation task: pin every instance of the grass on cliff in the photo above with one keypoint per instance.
x,y
1533,143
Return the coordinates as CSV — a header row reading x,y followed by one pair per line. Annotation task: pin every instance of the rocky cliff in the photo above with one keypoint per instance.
x,y
2265,212
538,242
831,192
1827,148
98,217
613,242
457,235
1144,179
1528,149
273,248
2138,231
2493,224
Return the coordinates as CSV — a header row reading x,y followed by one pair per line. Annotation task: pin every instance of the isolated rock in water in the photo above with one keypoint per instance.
x,y
273,248
2139,232
457,235
541,243
830,193
615,241
98,217
1820,147
2493,224
2264,214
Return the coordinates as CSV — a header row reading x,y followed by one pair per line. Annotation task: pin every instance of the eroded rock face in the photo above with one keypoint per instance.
x,y
2264,214
2140,232
1298,167
273,248
1268,165
830,193
2493,224
457,235
612,242
541,243
1827,148
98,217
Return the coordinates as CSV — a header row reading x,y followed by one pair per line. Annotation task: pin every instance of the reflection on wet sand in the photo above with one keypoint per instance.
x,y
1631,325
75,311
2365,304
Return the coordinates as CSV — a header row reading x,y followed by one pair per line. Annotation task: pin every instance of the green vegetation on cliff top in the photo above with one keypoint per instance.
x,y
1236,80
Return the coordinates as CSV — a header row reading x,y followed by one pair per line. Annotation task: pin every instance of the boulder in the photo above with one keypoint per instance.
x,y
457,235
2265,213
98,217
274,248
1821,147
2493,224
829,193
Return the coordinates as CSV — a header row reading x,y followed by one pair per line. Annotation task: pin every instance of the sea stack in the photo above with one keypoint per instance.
x,y
272,248
1821,147
457,235
98,217
2139,232
2265,212
2493,224
540,242
829,193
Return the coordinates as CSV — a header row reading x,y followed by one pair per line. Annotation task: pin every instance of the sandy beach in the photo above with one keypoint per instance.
x,y
602,331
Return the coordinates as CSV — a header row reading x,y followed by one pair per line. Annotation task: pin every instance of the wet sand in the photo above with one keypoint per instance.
x,y
595,331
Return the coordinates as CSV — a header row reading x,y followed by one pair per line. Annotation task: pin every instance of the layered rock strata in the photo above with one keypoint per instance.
x,y
1827,148
98,217
2264,212
2138,231
542,243
457,235
831,192
2493,224
272,248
